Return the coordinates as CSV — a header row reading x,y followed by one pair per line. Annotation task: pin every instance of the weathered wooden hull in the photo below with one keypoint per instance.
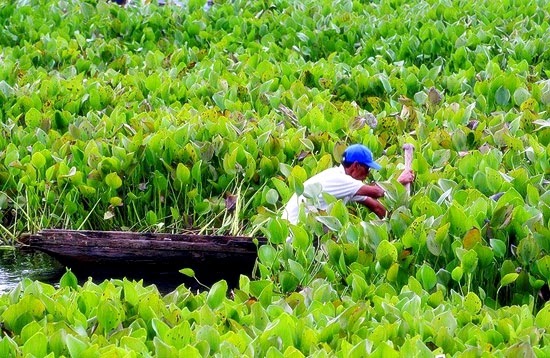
x,y
146,251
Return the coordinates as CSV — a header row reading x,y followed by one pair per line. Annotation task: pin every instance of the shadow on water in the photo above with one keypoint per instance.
x,y
17,264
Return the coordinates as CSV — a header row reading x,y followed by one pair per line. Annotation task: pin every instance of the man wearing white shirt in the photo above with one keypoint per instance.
x,y
344,182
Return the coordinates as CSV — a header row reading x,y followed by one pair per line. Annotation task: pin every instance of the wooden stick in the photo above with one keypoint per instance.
x,y
408,149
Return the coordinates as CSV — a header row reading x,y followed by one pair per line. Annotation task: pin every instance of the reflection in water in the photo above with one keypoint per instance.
x,y
15,265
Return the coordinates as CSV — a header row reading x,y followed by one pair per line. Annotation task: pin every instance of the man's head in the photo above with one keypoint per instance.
x,y
357,160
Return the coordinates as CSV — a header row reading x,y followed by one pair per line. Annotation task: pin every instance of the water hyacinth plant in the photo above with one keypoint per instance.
x,y
174,118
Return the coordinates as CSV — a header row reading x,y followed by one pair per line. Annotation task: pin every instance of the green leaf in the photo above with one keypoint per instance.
x,y
272,196
183,174
288,281
216,294
521,95
386,254
300,237
210,335
527,251
38,160
472,303
502,96
33,118
544,267
276,231
161,329
36,346
508,279
76,346
8,348
153,82
499,247
457,273
542,320
134,344
267,255
426,275
130,293
459,222
330,222
68,280
113,181
108,316
469,261
163,349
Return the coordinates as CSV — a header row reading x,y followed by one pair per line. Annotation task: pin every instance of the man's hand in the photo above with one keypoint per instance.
x,y
406,177
376,207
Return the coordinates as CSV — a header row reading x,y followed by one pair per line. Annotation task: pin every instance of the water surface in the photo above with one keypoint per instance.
x,y
17,264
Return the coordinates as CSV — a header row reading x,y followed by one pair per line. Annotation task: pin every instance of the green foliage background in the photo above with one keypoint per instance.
x,y
176,118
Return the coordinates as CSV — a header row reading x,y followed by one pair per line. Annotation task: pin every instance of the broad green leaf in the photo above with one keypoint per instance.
x,y
499,247
183,174
502,96
542,320
472,303
521,95
426,275
188,272
217,294
527,251
8,348
133,344
300,237
161,329
130,292
543,265
69,280
113,181
436,298
276,231
330,222
163,349
76,345
181,334
272,196
469,261
38,160
459,222
288,281
33,118
36,346
267,255
108,316
509,278
386,254
210,335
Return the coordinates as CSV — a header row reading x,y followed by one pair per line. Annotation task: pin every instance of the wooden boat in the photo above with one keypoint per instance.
x,y
143,252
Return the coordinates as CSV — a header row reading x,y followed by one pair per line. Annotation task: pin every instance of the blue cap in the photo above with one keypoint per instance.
x,y
361,154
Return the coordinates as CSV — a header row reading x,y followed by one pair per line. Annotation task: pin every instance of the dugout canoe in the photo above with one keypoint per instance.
x,y
145,251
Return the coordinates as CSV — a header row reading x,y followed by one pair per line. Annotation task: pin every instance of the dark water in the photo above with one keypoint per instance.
x,y
17,264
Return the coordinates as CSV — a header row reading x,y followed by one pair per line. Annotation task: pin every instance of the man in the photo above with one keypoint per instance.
x,y
344,182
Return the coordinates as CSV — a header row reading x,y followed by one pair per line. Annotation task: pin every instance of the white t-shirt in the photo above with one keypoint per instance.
x,y
333,181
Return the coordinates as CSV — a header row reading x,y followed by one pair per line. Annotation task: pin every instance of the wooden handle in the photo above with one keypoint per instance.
x,y
408,149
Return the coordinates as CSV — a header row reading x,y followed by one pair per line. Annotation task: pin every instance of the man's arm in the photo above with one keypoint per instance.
x,y
375,206
373,191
